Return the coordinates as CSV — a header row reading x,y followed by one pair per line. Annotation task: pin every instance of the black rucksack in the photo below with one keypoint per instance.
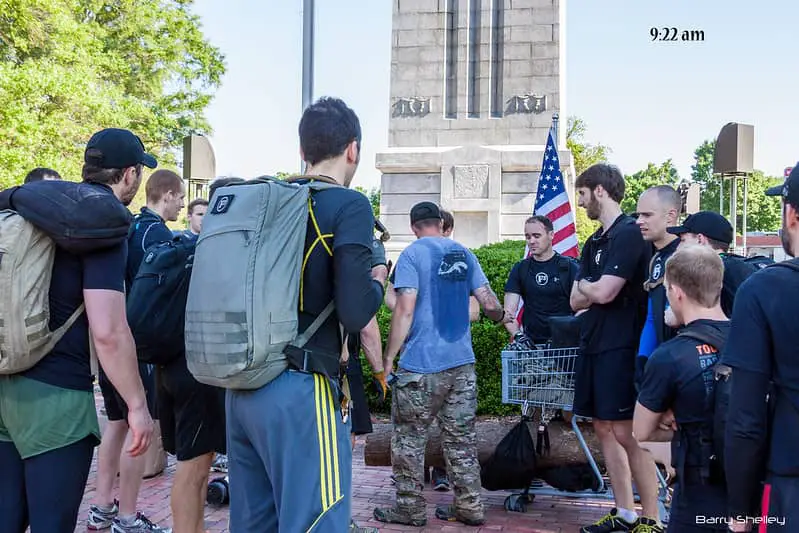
x,y
156,303
80,217
513,464
712,430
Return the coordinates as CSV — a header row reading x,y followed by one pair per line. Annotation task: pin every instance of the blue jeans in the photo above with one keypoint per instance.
x,y
289,457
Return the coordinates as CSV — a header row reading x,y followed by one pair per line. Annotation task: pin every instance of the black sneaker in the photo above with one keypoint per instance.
x,y
647,525
608,523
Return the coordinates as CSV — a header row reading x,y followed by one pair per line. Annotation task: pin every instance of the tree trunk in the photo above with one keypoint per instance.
x,y
564,446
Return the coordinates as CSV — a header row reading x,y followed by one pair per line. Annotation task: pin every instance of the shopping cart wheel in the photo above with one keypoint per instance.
x,y
517,503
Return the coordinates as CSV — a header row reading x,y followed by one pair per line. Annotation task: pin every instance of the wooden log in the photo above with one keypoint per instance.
x,y
564,446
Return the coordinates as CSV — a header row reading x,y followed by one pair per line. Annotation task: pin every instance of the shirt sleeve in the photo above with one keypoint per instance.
x,y
478,277
105,269
659,387
749,345
649,340
354,223
514,283
624,253
406,275
574,271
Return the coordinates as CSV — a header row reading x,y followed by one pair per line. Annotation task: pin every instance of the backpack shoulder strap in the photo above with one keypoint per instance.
x,y
564,266
707,335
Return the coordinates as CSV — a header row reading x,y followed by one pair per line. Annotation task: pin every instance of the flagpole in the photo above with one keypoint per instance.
x,y
307,58
555,130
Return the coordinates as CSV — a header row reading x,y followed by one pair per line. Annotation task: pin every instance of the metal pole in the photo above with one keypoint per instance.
x,y
734,209
308,12
555,130
746,193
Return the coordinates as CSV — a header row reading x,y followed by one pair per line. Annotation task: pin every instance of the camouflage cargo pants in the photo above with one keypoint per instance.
x,y
417,399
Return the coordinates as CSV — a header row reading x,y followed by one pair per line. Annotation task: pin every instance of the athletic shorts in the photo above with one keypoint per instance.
x,y
115,407
192,414
604,385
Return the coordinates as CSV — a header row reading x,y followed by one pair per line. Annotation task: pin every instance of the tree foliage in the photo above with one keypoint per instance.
x,y
763,213
584,155
71,67
652,176
374,198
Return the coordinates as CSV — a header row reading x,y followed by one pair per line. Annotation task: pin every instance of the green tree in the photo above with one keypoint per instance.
x,y
374,198
584,155
763,213
652,176
71,67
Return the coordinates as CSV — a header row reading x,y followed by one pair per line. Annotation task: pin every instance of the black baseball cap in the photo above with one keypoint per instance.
x,y
425,211
117,148
789,190
710,224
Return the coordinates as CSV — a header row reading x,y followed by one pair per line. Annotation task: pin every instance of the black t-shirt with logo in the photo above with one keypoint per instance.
x,y
678,377
657,291
621,251
545,287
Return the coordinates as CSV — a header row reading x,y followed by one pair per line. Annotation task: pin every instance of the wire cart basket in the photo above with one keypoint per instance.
x,y
543,378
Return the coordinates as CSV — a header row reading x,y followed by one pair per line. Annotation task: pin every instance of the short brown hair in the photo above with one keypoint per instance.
x,y
698,271
196,202
608,176
107,176
161,182
449,220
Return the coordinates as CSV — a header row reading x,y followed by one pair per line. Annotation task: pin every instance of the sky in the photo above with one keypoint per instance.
x,y
648,101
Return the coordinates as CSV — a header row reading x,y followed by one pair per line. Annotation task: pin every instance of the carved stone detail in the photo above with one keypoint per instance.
x,y
470,181
526,104
415,106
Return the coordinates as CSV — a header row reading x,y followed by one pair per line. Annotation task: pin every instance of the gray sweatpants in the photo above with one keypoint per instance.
x,y
289,457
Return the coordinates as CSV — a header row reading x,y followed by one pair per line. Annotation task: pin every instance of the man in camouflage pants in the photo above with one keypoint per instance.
x,y
434,278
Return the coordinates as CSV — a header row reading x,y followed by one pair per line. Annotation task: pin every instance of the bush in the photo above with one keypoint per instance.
x,y
488,338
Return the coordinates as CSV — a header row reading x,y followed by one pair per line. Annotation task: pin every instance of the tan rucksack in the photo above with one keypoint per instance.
x,y
26,268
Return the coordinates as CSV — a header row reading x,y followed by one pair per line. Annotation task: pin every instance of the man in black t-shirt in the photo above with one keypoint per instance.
x,y
677,381
763,348
610,290
543,281
48,418
712,229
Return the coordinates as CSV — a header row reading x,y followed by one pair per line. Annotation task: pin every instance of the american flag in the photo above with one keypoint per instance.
x,y
552,201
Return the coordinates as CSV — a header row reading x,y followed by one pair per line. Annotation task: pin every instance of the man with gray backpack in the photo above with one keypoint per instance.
x,y
282,271
63,266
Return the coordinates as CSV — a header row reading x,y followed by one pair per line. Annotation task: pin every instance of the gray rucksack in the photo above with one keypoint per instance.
x,y
26,268
242,307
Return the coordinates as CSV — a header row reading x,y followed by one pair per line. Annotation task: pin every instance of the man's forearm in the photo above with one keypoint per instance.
x,y
577,300
590,291
370,342
400,326
117,355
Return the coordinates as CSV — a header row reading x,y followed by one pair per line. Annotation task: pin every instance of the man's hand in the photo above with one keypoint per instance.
x,y
381,387
141,427
667,421
739,527
378,253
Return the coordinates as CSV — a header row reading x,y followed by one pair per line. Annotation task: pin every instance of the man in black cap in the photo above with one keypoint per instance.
x,y
763,351
711,229
48,419
435,378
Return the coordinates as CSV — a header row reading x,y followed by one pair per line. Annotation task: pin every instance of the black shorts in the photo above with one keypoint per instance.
x,y
359,414
192,414
604,385
115,407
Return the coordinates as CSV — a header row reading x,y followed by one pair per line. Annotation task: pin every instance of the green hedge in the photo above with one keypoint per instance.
x,y
488,338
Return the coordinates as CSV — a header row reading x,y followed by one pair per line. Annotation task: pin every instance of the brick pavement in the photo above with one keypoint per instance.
x,y
372,487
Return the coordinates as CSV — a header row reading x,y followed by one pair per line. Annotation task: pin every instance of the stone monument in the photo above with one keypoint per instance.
x,y
474,86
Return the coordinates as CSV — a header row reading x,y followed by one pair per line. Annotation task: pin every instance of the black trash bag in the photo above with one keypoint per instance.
x,y
571,478
513,464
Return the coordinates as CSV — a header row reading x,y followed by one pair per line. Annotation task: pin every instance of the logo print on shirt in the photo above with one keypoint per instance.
x,y
598,256
542,278
453,267
656,272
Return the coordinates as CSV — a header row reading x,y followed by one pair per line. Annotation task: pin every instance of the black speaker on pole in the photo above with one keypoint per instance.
x,y
735,149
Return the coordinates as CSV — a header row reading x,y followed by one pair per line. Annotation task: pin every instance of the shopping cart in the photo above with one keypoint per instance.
x,y
543,378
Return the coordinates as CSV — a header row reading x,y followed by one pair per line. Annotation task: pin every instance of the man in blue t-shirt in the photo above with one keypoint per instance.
x,y
434,278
